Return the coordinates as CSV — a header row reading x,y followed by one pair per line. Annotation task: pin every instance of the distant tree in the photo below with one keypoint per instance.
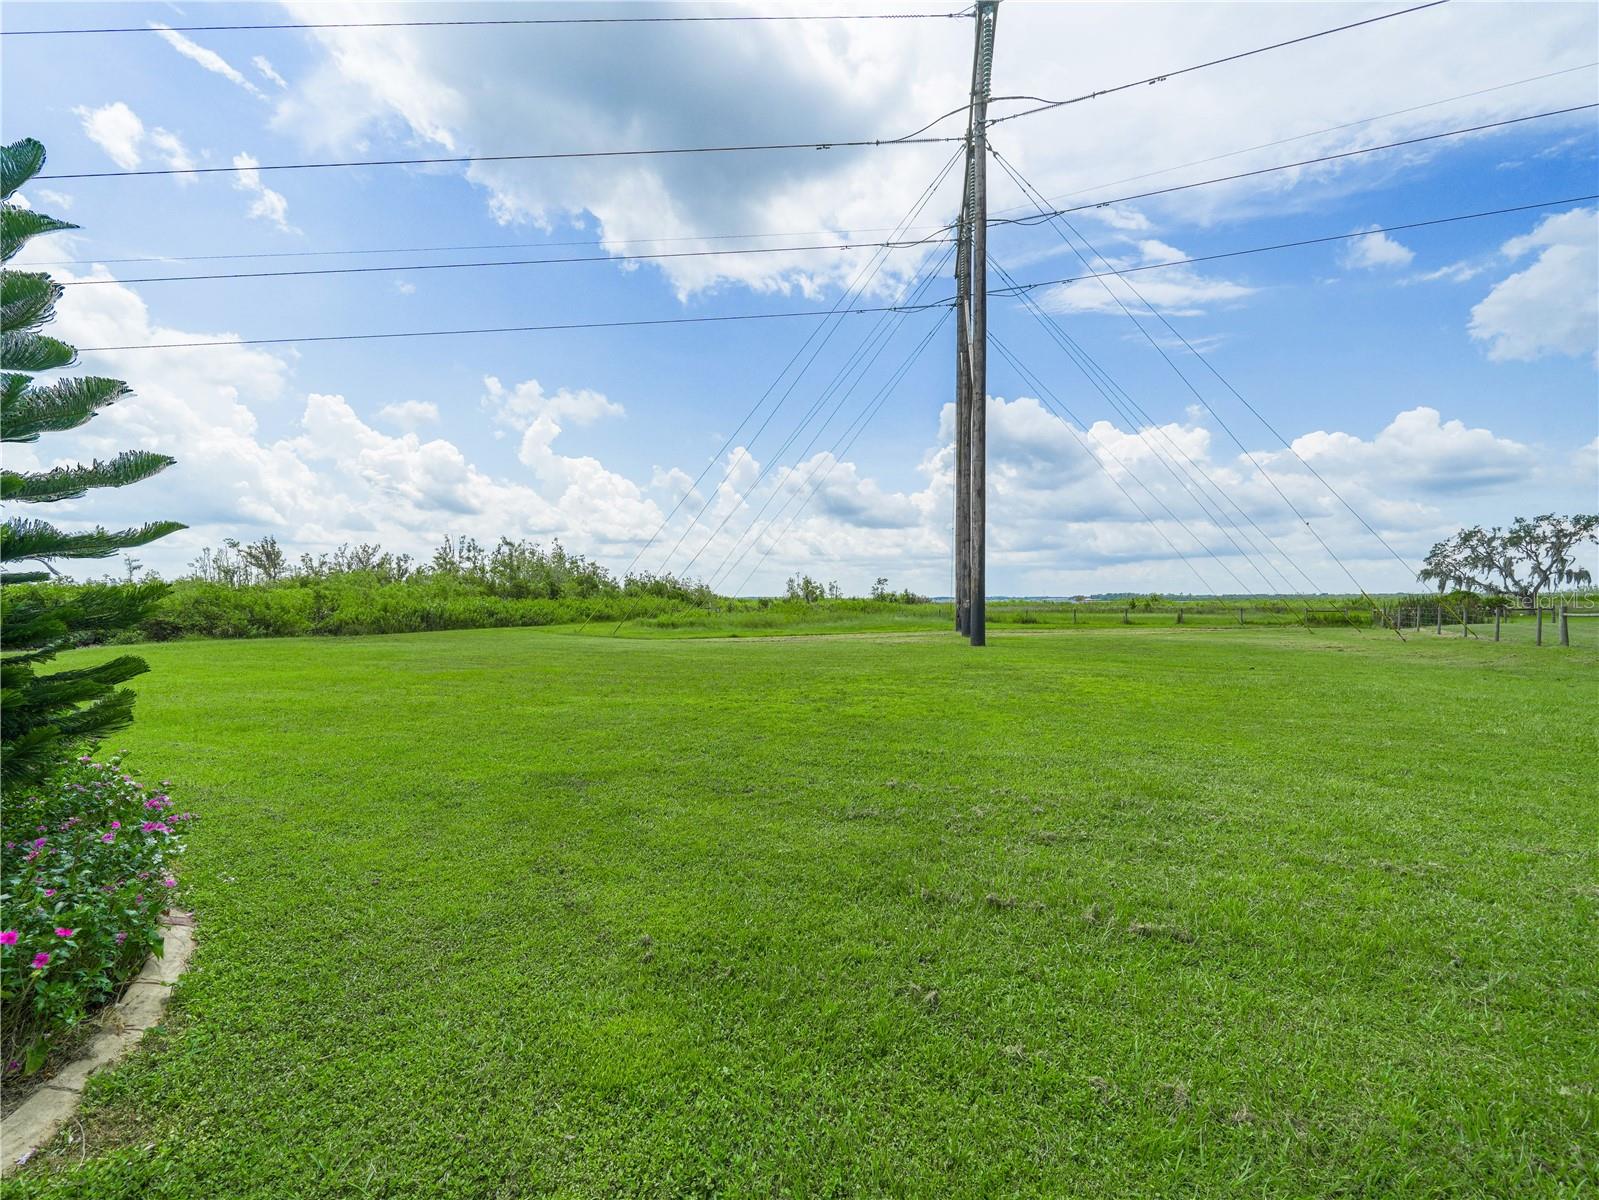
x,y
265,558
40,715
1533,555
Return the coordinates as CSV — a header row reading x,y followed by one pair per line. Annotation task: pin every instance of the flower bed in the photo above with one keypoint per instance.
x,y
85,873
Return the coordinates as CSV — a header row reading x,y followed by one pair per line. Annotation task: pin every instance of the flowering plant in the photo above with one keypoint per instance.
x,y
85,872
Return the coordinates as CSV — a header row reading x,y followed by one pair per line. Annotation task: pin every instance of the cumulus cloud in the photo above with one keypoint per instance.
x,y
117,130
876,79
209,59
266,205
1376,250
1065,499
409,413
1552,306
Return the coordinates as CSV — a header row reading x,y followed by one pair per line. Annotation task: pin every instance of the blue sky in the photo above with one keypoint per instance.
x,y
1440,377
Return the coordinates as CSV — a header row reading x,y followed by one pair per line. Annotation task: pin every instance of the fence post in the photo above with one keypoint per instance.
x,y
1465,610
1565,628
1418,616
1179,616
1127,616
1438,617
1074,614
1498,612
1240,616
1537,634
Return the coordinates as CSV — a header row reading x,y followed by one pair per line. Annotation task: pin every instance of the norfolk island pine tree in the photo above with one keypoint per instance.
x,y
44,716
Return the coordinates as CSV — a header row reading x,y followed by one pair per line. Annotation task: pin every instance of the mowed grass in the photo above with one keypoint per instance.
x,y
1121,912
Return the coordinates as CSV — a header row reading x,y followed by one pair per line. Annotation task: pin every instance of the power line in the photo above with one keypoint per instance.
x,y
1016,289
890,245
501,21
560,328
1215,62
513,262
1299,137
722,237
840,447
862,278
547,156
1032,193
1045,213
864,368
1133,412
1071,420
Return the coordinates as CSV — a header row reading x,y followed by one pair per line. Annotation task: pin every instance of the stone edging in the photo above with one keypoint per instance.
x,y
41,1115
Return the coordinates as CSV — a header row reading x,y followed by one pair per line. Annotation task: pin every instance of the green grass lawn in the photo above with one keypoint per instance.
x,y
1115,912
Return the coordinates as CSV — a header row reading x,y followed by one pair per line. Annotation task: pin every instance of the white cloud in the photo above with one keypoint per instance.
x,y
871,79
529,402
324,474
1552,306
267,205
1376,250
267,71
117,130
1456,272
54,199
405,287
209,59
408,414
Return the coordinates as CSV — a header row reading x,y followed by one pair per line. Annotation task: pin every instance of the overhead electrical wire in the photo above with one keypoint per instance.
x,y
491,21
513,262
1018,288
544,156
563,327
1135,414
1046,213
1072,423
861,370
861,277
718,237
907,243
1033,193
1216,62
867,351
841,447
1298,137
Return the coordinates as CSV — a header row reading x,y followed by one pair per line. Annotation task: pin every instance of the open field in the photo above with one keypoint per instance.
x,y
1114,912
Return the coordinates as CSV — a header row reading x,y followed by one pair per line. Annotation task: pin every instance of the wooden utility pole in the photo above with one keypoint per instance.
x,y
963,404
972,474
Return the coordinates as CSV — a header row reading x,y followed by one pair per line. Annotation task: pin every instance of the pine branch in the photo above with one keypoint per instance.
x,y
9,577
65,404
19,162
18,225
23,351
35,618
21,539
27,299
68,483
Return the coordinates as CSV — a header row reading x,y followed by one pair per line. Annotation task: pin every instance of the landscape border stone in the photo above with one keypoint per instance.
x,y
41,1116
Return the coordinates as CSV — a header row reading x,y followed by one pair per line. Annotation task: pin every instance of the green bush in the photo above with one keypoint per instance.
x,y
84,874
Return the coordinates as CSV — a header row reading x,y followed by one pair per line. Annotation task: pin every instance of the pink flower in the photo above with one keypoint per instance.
x,y
48,892
38,842
121,937
41,961
8,937
63,931
169,883
116,824
108,838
